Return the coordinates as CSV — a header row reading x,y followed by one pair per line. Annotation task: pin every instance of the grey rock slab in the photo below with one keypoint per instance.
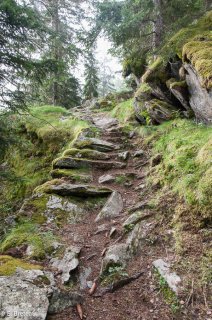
x,y
68,263
67,189
139,234
20,298
107,178
172,279
62,300
77,163
116,255
96,144
135,218
112,208
139,206
84,274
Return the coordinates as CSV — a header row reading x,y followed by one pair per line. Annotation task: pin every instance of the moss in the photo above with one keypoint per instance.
x,y
123,111
155,72
29,233
8,265
168,295
200,55
173,83
121,179
46,187
113,273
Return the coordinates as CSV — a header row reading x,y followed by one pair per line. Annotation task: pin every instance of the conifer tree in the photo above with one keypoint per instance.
x,y
91,77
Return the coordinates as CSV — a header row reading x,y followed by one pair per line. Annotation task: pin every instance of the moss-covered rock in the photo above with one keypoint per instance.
x,y
180,90
79,175
28,233
63,188
155,72
8,265
78,163
156,111
199,53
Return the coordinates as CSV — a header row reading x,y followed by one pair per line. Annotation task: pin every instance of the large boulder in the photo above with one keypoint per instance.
x,y
86,154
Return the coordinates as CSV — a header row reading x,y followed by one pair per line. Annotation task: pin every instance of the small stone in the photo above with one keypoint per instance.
x,y
124,155
107,178
112,232
116,255
138,153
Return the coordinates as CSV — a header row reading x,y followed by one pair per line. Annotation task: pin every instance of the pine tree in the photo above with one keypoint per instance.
x,y
91,77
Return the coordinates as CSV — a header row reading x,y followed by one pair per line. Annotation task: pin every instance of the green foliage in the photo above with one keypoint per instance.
x,y
113,273
29,233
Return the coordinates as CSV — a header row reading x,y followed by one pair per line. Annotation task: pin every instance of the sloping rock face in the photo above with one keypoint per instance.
x,y
200,97
112,208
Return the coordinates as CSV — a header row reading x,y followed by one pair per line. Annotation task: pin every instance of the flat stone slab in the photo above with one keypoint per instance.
x,y
96,144
116,255
78,163
112,208
62,188
86,154
172,279
68,263
20,298
105,123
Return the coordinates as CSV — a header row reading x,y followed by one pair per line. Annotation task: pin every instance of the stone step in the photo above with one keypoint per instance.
x,y
75,163
86,154
95,144
63,188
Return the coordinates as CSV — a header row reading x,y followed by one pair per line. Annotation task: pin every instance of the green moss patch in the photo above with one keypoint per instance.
x,y
8,265
29,233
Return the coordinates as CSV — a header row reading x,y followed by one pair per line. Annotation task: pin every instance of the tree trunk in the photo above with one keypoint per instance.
x,y
157,25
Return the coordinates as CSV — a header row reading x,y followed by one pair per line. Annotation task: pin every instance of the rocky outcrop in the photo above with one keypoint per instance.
x,y
95,144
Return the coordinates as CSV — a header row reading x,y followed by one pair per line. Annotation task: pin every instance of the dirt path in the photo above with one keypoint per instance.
x,y
141,299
